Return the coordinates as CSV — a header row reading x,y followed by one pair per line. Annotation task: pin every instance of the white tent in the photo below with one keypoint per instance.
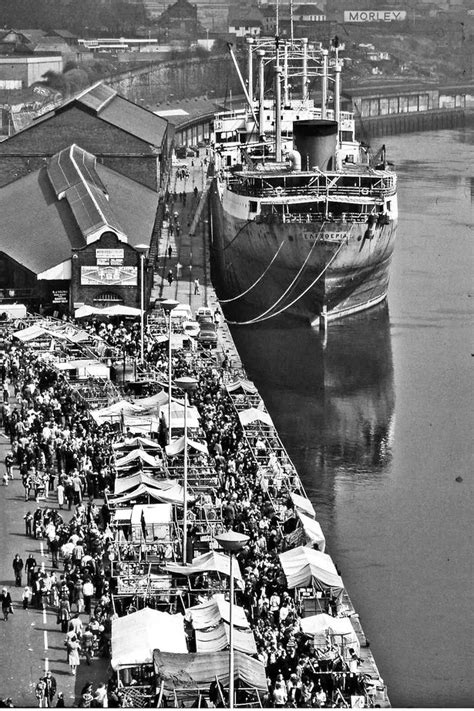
x,y
135,636
85,311
177,446
209,562
216,639
313,531
247,417
143,442
210,613
305,566
173,495
245,385
303,504
121,310
115,411
177,415
140,454
323,624
126,483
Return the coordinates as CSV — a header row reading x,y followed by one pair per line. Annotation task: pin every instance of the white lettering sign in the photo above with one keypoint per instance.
x,y
374,15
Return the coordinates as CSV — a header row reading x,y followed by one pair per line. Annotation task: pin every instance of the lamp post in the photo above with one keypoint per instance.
x,y
232,542
186,384
142,249
168,305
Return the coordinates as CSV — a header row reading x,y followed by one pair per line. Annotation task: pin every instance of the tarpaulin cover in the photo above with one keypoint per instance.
x,y
246,417
177,446
303,504
114,411
313,531
213,611
325,624
217,638
138,454
153,513
85,311
177,415
181,671
30,333
174,495
135,636
135,442
127,483
305,566
212,561
121,310
245,385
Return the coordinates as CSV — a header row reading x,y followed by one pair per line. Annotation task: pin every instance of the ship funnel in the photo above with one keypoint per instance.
x,y
316,140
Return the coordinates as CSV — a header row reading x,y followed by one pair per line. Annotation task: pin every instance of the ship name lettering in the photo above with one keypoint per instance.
x,y
324,236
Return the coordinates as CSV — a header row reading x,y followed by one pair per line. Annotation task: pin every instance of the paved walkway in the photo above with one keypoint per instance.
x,y
189,258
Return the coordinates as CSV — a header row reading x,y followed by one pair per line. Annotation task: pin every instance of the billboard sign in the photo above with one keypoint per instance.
x,y
374,15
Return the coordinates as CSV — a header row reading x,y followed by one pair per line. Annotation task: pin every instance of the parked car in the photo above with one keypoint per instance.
x,y
204,313
191,328
207,334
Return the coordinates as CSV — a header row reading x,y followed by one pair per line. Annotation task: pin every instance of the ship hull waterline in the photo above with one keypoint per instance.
x,y
265,269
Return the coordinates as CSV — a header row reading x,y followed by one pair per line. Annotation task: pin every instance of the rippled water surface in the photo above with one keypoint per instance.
x,y
379,423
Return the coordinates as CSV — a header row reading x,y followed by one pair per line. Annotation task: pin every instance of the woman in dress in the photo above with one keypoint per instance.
x,y
73,659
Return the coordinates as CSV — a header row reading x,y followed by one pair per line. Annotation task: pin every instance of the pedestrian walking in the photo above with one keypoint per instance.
x,y
72,647
170,277
40,693
7,608
60,702
9,461
170,251
17,569
30,565
179,268
60,494
197,286
26,596
51,686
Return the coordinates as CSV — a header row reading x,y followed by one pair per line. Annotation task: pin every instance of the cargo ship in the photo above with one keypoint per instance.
x,y
303,216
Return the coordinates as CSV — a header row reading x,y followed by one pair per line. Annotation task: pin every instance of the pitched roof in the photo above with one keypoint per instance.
x,y
73,176
38,231
108,105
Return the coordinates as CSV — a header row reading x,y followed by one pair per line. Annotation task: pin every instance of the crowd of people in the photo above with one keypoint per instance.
x,y
66,463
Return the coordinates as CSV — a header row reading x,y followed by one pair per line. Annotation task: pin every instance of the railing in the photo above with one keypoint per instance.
x,y
317,190
309,217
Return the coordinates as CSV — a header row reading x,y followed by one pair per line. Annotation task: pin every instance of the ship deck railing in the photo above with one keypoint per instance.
x,y
323,192
307,217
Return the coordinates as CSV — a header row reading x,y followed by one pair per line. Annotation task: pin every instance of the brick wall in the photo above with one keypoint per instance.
x,y
27,150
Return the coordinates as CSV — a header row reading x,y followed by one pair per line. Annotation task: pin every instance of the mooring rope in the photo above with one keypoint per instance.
x,y
289,287
239,296
264,317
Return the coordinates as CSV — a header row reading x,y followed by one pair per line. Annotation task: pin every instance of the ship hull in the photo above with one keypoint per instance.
x,y
263,269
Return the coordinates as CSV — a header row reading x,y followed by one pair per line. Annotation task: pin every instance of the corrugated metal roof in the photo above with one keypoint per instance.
x,y
73,176
43,232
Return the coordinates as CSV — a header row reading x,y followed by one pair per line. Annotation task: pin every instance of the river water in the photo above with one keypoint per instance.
x,y
379,424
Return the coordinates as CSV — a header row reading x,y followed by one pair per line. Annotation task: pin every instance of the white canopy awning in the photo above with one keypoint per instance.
x,y
313,531
253,414
177,446
211,612
127,483
245,386
305,566
177,415
135,454
153,514
135,442
323,624
172,495
135,636
217,638
303,504
213,561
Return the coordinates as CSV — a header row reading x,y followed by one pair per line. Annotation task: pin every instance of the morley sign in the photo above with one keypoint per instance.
x,y
374,15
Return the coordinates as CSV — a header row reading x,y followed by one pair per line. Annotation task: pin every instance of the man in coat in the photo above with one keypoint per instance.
x,y
50,690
